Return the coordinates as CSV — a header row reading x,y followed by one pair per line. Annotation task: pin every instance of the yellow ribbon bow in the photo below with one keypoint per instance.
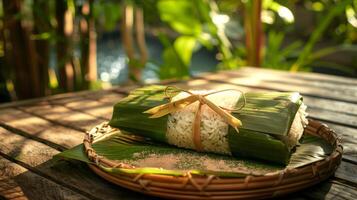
x,y
170,107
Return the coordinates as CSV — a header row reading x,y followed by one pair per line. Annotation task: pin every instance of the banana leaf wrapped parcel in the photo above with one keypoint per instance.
x,y
257,125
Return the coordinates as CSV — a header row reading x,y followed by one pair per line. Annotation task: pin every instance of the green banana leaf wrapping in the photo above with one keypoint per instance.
x,y
266,118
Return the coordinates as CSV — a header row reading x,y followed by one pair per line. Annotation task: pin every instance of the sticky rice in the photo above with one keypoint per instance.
x,y
214,129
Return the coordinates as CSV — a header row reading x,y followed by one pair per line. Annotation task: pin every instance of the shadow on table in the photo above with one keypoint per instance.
x,y
319,191
70,180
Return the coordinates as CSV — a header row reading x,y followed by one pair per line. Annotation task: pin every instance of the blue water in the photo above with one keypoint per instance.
x,y
112,61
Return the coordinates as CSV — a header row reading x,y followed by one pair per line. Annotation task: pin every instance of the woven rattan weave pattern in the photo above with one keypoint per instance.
x,y
201,187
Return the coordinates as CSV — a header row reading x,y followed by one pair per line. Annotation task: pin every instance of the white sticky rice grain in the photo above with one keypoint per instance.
x,y
214,129
297,127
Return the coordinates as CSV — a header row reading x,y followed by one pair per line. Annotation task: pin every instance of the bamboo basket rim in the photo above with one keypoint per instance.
x,y
193,186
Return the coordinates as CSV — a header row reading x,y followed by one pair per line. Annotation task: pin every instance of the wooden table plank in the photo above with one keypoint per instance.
x,y
305,76
321,103
99,104
24,149
348,137
332,117
98,110
70,96
110,98
283,78
38,157
332,105
77,96
39,129
347,172
63,116
94,108
16,182
346,95
330,190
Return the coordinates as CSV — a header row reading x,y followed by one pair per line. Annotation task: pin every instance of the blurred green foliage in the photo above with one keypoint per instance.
x,y
107,14
287,46
297,34
193,21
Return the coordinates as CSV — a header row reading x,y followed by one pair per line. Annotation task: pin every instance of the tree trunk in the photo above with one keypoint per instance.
x,y
128,41
88,45
4,93
41,25
127,30
64,45
21,53
140,35
253,32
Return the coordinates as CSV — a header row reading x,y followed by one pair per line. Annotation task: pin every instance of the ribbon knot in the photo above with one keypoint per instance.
x,y
199,97
173,106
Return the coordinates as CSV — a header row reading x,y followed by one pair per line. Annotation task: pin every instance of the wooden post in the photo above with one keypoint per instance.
x,y
128,41
140,35
253,32
64,45
21,53
4,72
88,45
42,25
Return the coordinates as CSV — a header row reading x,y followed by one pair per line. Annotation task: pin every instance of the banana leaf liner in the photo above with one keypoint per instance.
x,y
111,154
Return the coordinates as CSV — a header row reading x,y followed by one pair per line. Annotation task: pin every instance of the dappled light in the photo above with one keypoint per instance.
x,y
178,99
92,44
19,147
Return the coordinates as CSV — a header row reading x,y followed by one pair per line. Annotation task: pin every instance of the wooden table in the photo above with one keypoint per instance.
x,y
33,131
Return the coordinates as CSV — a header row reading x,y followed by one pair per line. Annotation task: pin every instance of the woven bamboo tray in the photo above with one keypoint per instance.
x,y
191,186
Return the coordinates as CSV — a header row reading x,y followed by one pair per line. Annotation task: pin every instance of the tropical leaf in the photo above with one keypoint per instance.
x,y
180,15
184,46
275,55
318,33
159,158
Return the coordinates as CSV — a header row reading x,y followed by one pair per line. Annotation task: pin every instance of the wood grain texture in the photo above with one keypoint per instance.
x,y
347,171
348,137
40,129
297,80
99,104
70,96
333,117
100,110
18,183
259,81
302,76
73,175
63,116
320,103
332,105
111,98
330,190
